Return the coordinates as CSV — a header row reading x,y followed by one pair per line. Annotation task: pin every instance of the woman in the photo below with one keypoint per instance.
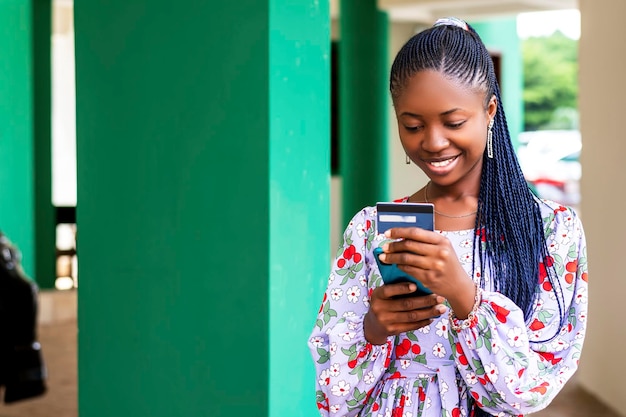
x,y
503,330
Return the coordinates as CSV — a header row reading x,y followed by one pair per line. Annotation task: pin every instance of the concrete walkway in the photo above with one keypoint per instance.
x,y
57,334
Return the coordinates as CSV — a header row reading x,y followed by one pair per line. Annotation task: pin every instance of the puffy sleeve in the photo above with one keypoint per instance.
x,y
512,366
347,365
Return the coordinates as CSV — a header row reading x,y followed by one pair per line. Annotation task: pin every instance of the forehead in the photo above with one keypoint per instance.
x,y
436,92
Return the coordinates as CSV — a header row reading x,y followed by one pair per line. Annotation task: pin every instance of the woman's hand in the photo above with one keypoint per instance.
x,y
431,259
389,315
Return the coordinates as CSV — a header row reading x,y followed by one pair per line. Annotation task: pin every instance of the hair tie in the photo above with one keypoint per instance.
x,y
451,21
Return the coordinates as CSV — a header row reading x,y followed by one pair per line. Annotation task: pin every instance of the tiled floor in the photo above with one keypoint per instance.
x,y
58,340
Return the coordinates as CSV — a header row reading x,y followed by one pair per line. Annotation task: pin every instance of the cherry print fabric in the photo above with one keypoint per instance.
x,y
508,366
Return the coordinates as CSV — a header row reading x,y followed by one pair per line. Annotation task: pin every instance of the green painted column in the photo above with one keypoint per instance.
x,y
363,104
500,35
203,212
27,214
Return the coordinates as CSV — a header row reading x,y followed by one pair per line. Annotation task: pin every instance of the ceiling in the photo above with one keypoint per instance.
x,y
430,10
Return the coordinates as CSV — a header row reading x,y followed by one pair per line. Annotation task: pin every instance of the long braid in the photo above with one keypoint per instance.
x,y
509,228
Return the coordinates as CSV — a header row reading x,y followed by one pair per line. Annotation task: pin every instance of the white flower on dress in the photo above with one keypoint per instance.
x,y
442,328
515,337
407,413
336,293
317,341
334,369
331,278
553,247
510,380
353,326
466,258
332,348
324,378
353,294
348,314
471,378
581,296
467,243
362,280
360,229
348,336
564,238
491,372
405,363
366,301
502,395
408,399
444,387
495,347
559,344
580,335
425,329
335,408
341,389
439,350
369,378
582,317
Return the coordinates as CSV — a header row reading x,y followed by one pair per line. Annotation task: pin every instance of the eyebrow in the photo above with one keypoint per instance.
x,y
445,113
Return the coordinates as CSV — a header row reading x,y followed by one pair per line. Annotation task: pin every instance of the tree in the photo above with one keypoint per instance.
x,y
550,82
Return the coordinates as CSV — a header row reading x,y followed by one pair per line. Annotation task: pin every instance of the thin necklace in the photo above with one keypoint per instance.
x,y
443,214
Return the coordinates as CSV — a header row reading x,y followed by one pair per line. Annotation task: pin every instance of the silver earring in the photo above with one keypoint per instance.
x,y
490,140
408,161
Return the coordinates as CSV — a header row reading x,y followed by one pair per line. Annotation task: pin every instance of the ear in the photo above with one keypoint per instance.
x,y
492,106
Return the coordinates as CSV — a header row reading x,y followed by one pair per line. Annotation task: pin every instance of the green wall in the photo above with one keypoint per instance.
x,y
500,35
203,175
27,215
363,105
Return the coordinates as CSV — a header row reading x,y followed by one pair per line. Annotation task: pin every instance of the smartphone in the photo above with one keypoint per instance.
x,y
390,215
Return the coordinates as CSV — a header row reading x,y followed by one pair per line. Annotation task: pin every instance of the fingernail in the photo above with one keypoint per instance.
x,y
441,309
440,299
382,257
388,233
385,247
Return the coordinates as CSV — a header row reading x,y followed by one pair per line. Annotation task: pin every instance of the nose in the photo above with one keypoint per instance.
x,y
434,140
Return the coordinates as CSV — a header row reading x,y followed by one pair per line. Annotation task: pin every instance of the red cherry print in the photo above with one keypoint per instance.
x,y
357,258
571,266
341,263
537,325
403,348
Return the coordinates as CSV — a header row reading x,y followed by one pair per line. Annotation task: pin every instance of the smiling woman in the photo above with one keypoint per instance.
x,y
501,331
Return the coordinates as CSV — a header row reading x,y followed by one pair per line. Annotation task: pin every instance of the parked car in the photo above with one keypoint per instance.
x,y
550,162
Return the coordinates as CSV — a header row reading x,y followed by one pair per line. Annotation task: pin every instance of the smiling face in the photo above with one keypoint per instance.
x,y
443,126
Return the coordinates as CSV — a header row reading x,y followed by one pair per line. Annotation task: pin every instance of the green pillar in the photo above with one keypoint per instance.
x,y
500,35
363,104
203,177
27,214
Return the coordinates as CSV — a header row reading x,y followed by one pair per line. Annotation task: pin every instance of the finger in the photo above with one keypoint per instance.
x,y
414,316
399,328
419,302
407,245
390,291
414,233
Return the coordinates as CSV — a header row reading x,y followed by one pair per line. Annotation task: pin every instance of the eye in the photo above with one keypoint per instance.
x,y
412,128
455,125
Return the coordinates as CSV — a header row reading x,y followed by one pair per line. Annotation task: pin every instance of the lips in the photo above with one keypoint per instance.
x,y
441,166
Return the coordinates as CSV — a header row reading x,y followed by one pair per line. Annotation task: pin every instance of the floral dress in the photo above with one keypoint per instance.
x,y
506,365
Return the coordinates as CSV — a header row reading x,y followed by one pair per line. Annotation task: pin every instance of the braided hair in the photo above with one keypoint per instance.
x,y
509,227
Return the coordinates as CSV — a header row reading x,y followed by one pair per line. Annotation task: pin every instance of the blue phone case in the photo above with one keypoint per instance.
x,y
391,274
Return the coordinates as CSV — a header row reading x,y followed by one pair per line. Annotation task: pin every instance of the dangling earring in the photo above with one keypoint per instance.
x,y
490,140
408,161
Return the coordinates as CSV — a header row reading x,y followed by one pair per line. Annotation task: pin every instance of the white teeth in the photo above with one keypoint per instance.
x,y
439,164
